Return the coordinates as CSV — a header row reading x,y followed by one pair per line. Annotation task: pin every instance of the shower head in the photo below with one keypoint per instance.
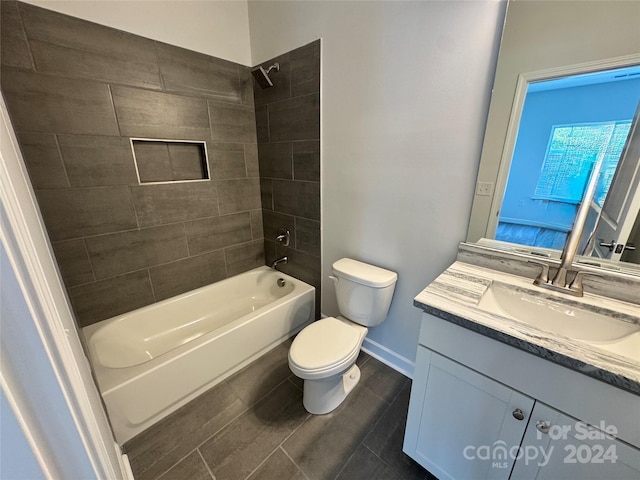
x,y
262,76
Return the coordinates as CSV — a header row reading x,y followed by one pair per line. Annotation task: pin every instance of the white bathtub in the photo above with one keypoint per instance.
x,y
151,361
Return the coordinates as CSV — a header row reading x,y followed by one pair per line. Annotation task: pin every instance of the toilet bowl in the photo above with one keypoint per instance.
x,y
324,353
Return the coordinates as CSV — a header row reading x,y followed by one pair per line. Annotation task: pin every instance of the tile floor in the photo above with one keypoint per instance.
x,y
253,426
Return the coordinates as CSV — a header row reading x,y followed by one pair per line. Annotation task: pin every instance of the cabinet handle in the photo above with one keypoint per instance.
x,y
518,414
543,426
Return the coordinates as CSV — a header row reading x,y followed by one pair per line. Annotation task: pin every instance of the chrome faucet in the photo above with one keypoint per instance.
x,y
278,261
559,283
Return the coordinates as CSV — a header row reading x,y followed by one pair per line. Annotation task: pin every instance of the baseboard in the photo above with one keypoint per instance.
x,y
389,357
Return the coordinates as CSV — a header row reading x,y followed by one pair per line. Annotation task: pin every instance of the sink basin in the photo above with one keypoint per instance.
x,y
563,318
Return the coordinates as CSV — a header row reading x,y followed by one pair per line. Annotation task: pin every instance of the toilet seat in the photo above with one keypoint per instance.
x,y
325,348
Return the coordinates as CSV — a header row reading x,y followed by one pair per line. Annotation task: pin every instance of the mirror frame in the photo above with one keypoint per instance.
x,y
542,40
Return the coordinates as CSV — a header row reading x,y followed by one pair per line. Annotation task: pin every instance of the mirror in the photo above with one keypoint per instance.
x,y
545,41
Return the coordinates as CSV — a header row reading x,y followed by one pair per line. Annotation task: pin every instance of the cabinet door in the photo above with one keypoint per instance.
x,y
556,446
461,424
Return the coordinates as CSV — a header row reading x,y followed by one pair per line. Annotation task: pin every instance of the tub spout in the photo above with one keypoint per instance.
x,y
278,261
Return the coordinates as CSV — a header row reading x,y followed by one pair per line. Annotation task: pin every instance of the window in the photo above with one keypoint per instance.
x,y
571,154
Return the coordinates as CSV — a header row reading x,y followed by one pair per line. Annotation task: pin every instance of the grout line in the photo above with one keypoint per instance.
x,y
153,290
64,165
93,270
206,464
292,461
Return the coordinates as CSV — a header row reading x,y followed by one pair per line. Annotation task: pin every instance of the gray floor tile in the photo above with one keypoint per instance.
x,y
260,377
278,466
155,450
382,380
191,467
324,443
364,465
245,443
386,439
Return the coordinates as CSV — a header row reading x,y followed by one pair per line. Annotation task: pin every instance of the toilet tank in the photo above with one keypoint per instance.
x,y
363,291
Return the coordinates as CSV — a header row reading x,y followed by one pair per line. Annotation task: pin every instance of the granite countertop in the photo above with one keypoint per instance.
x,y
455,294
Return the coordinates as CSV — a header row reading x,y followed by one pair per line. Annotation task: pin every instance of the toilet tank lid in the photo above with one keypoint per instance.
x,y
364,273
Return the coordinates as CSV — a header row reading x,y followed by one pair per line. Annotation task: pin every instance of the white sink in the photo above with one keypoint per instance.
x,y
563,318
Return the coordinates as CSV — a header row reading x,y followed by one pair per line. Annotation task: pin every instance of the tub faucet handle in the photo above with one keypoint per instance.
x,y
284,238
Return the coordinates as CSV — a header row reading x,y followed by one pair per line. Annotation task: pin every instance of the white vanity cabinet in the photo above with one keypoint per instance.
x,y
463,417
479,409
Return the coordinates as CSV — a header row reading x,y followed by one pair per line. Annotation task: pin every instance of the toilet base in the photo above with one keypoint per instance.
x,y
325,395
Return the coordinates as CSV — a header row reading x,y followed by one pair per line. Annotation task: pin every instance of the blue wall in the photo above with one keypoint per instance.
x,y
594,103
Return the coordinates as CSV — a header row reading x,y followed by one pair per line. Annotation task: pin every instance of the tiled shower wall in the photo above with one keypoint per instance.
x,y
288,122
76,93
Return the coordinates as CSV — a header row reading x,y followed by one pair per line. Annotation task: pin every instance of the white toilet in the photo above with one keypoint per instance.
x,y
324,353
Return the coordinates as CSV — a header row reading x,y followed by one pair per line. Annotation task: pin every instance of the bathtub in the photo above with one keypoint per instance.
x,y
151,361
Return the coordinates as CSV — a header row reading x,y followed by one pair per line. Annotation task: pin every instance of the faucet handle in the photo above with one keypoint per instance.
x,y
576,284
284,238
544,274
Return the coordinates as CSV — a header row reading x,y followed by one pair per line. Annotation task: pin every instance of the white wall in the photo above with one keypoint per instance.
x,y
215,27
405,94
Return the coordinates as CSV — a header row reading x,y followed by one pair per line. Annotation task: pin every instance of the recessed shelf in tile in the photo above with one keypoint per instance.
x,y
169,161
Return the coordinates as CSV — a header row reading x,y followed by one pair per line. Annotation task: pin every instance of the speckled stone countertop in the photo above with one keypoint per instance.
x,y
455,294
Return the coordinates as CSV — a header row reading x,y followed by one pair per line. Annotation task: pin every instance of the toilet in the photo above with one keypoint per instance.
x,y
324,353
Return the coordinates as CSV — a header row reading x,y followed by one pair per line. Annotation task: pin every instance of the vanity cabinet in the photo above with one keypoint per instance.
x,y
463,417
481,409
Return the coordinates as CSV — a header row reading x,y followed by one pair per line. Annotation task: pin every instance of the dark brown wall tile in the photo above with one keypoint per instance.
x,y
14,50
71,46
232,123
246,85
143,113
218,232
251,159
305,71
50,104
188,274
276,160
83,212
51,58
247,256
123,252
301,199
185,71
306,161
94,161
79,157
295,119
238,195
73,262
43,160
308,236
169,203
257,228
107,298
266,193
226,160
262,124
